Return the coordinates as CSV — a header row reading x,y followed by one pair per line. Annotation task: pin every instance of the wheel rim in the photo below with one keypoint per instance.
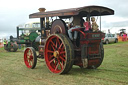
x,y
28,57
55,54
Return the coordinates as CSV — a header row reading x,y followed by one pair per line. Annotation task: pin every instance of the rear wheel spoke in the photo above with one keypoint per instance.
x,y
56,44
60,45
53,47
51,57
49,51
52,60
52,42
55,61
56,66
60,65
62,58
58,41
62,52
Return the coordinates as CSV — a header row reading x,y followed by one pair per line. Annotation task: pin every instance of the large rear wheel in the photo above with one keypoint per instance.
x,y
30,57
59,53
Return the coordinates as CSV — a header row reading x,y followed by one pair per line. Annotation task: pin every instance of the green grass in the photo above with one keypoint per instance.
x,y
113,71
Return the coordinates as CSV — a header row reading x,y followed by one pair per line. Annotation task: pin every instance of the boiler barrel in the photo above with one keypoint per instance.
x,y
23,42
40,41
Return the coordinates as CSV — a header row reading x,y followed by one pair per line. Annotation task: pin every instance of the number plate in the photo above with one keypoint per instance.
x,y
95,35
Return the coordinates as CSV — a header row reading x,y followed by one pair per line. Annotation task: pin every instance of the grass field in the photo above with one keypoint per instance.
x,y
113,71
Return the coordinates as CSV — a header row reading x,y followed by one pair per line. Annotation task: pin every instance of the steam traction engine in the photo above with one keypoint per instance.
x,y
28,40
59,51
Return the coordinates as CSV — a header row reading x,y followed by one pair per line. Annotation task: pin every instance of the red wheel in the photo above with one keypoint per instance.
x,y
59,53
30,58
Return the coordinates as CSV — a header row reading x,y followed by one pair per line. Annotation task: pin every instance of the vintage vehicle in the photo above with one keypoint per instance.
x,y
25,36
122,36
32,25
58,50
109,38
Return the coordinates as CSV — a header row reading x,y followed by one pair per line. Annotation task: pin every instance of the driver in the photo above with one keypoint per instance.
x,y
75,21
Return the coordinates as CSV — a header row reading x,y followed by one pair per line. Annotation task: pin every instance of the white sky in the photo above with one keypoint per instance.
x,y
15,12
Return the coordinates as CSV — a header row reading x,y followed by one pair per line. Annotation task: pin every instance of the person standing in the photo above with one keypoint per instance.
x,y
4,42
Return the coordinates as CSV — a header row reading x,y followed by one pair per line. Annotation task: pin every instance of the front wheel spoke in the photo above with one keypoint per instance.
x,y
27,57
29,62
31,53
30,58
32,61
28,54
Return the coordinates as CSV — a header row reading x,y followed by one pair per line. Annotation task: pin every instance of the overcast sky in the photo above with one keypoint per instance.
x,y
15,12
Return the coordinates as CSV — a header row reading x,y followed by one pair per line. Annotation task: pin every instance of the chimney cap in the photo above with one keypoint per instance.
x,y
42,9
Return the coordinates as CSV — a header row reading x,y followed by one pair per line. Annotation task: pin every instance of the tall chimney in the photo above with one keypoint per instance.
x,y
42,9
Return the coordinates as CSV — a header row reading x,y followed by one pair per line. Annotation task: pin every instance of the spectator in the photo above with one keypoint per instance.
x,y
87,25
4,42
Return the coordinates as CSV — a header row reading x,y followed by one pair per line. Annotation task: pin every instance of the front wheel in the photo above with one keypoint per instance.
x,y
30,58
59,53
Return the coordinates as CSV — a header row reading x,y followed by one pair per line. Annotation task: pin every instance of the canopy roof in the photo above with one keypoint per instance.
x,y
82,11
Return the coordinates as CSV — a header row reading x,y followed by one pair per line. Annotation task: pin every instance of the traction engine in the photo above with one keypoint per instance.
x,y
61,53
58,50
